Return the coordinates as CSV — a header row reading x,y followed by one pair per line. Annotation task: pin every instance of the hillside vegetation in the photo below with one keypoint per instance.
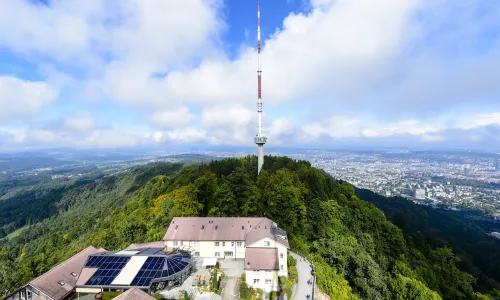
x,y
359,254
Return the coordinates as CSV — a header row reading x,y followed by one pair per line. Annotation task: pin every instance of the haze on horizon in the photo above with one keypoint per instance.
x,y
136,73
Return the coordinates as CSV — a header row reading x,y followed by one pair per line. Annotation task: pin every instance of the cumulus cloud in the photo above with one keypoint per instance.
x,y
171,118
21,97
352,70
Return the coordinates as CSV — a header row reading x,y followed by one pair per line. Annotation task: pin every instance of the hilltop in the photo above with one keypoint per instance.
x,y
357,251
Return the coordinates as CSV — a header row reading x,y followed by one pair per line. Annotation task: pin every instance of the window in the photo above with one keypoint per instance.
x,y
29,295
267,243
281,255
61,283
197,254
202,227
223,244
238,244
216,226
182,243
217,244
268,271
255,281
281,267
242,227
232,244
256,270
217,254
227,253
176,226
176,243
73,274
268,281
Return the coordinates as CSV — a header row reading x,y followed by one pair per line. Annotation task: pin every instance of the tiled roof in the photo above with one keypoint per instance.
x,y
66,272
261,259
159,244
213,229
249,230
134,294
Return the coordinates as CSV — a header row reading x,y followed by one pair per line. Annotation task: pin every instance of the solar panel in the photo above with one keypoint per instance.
x,y
175,264
109,268
150,270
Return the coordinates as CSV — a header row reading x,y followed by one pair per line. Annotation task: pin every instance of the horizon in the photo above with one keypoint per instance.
x,y
336,74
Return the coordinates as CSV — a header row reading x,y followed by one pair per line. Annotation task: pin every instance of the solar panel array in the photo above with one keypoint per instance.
x,y
150,270
174,264
154,267
109,267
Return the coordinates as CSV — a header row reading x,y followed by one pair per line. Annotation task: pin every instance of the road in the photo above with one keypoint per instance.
x,y
304,270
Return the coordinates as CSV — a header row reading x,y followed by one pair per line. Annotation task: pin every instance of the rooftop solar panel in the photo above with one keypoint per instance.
x,y
150,270
109,268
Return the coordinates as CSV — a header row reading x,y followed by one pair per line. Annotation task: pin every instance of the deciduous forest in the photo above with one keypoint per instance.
x,y
359,252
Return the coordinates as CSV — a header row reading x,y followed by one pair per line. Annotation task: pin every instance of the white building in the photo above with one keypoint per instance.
x,y
257,241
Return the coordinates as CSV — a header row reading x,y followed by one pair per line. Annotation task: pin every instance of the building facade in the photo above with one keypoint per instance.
x,y
257,241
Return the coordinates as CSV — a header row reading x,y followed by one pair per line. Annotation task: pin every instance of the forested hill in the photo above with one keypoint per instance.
x,y
358,253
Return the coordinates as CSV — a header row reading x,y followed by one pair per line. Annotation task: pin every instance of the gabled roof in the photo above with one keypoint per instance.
x,y
261,259
249,230
134,294
66,272
213,229
159,244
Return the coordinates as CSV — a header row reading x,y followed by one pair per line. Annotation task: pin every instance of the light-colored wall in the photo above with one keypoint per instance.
x,y
281,250
208,248
262,275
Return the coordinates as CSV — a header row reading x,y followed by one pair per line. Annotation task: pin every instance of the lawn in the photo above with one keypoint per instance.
x,y
110,295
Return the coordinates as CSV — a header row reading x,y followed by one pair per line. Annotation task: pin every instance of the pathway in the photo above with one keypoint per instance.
x,y
304,270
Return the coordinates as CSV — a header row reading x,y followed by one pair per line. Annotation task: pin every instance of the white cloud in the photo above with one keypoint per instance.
x,y
172,118
20,97
80,123
226,116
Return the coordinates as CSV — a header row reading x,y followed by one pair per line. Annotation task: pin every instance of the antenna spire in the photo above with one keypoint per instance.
x,y
259,139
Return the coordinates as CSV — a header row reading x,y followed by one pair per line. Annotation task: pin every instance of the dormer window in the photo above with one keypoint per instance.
x,y
242,227
202,227
176,226
61,283
73,274
216,226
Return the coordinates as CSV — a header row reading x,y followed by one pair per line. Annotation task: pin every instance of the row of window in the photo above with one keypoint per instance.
x,y
187,243
217,244
256,281
226,253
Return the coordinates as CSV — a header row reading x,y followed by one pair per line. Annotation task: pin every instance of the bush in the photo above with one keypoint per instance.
x,y
292,262
288,292
246,292
217,265
293,274
283,281
273,295
158,296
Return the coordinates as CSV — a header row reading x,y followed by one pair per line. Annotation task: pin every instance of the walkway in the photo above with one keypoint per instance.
x,y
304,270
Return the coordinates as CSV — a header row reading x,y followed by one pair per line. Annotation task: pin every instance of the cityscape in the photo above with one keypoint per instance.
x,y
453,179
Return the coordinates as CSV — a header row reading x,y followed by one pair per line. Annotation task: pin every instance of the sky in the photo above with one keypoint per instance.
x,y
105,74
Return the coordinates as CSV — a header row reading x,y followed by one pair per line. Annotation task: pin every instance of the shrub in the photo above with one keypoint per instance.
x,y
293,274
273,295
292,262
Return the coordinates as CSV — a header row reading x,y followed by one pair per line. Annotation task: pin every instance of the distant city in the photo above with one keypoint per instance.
x,y
455,180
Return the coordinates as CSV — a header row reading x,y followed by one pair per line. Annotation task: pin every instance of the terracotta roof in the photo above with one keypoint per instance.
x,y
134,294
48,282
159,244
261,259
213,229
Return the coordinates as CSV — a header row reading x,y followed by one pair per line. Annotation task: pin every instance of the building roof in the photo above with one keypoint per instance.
x,y
261,259
212,229
249,230
159,244
134,294
66,272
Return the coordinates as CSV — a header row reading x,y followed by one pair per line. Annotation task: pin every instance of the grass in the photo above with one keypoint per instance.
x,y
16,233
110,295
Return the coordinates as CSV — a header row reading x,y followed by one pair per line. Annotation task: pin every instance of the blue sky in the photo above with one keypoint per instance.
x,y
157,73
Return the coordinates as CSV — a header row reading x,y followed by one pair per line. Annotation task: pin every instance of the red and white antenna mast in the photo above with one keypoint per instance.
x,y
260,139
